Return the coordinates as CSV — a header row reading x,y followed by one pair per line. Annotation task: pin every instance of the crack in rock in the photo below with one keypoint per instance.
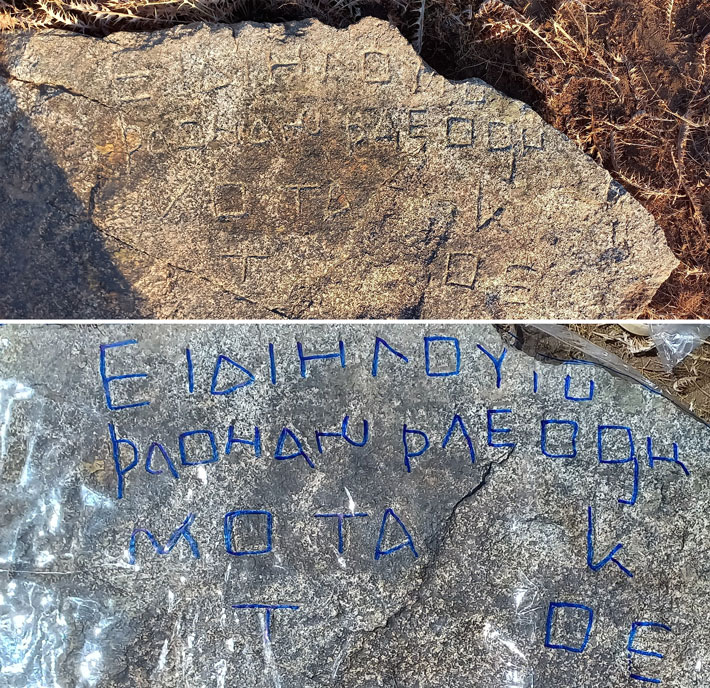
x,y
428,569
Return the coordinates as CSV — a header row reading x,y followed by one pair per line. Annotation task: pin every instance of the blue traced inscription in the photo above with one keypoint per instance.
x,y
215,376
589,396
287,433
497,363
409,453
108,379
635,626
183,531
214,454
156,446
268,609
408,542
341,519
233,439
675,459
190,372
609,557
428,341
552,611
544,425
458,421
343,434
499,431
228,530
320,357
631,457
376,356
121,471
272,364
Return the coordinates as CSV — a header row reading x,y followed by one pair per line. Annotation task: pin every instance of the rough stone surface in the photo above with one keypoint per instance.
x,y
498,540
296,170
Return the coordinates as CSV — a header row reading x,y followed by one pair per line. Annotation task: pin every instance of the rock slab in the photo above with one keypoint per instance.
x,y
296,170
256,506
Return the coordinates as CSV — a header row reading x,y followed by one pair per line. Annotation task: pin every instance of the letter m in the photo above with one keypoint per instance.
x,y
182,532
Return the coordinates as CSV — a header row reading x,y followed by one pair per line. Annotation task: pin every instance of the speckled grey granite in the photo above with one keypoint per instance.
x,y
497,539
295,170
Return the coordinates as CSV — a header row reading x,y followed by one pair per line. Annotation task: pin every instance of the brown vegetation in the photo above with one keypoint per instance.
x,y
628,80
688,382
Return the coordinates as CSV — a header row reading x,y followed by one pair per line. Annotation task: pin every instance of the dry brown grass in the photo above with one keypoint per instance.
x,y
109,15
628,80
688,382
632,89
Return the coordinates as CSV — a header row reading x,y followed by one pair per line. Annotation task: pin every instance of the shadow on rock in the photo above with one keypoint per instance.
x,y
54,263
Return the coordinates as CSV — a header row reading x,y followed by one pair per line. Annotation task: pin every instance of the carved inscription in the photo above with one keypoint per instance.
x,y
475,94
461,270
424,78
359,131
386,189
257,132
370,127
516,288
308,122
460,132
533,142
285,66
376,67
245,263
325,201
133,86
229,201
485,219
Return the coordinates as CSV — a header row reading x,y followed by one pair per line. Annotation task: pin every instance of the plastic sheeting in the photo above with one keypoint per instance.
x,y
52,517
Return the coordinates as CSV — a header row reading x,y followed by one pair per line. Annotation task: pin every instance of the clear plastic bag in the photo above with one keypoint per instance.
x,y
675,341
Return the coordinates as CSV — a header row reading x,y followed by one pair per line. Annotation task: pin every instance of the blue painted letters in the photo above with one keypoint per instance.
x,y
635,626
108,379
428,341
214,455
609,557
573,439
409,453
408,542
376,356
551,614
121,471
675,459
183,531
341,519
457,420
500,431
286,433
497,362
215,376
319,357
630,458
228,531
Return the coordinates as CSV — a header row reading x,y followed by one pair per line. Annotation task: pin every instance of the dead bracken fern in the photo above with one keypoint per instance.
x,y
650,129
104,16
627,80
418,40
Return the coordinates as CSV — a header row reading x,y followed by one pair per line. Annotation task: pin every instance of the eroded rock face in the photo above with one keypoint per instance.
x,y
297,170
540,488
